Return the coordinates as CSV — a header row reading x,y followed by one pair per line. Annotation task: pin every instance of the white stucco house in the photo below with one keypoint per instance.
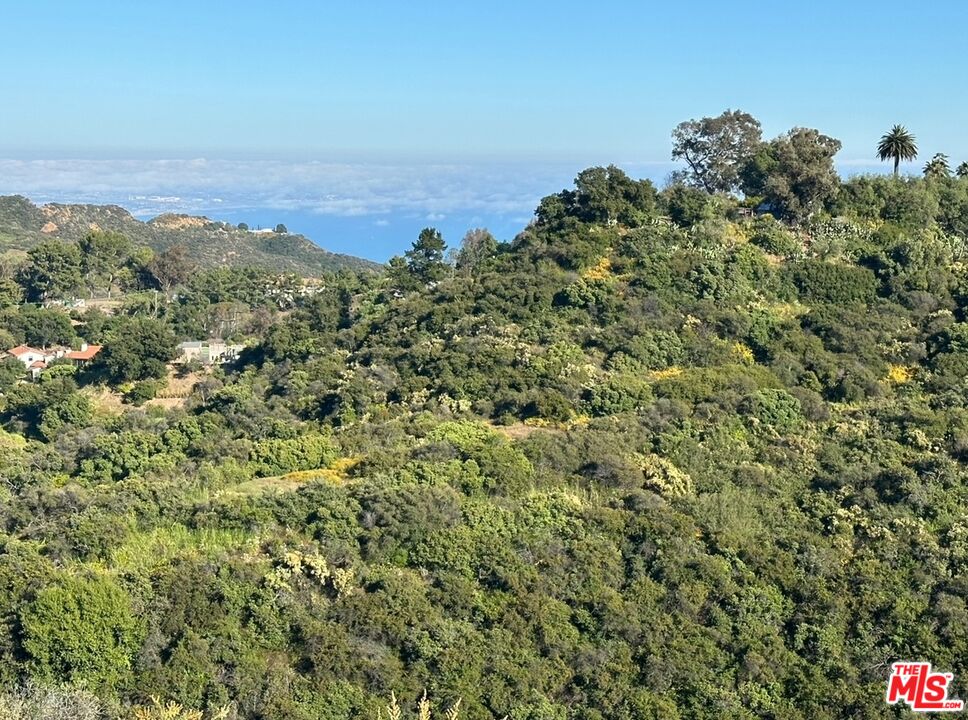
x,y
208,352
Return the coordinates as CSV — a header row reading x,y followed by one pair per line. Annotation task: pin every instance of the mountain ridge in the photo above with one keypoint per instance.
x,y
210,243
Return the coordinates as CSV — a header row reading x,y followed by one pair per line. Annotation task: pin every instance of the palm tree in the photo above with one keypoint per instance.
x,y
962,170
898,144
937,167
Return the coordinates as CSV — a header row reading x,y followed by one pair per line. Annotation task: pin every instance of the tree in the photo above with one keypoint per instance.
x,y
475,248
137,349
898,144
937,167
53,269
170,268
608,195
102,257
425,259
243,226
794,173
71,411
962,170
716,148
687,205
603,195
43,327
281,229
11,293
11,373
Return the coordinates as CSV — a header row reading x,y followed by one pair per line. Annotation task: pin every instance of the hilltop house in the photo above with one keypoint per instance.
x,y
208,352
37,360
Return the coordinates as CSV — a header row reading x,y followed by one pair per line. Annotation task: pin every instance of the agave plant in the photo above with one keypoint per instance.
x,y
423,709
898,144
173,711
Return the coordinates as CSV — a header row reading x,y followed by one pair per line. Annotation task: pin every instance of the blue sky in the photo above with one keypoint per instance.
x,y
550,79
538,88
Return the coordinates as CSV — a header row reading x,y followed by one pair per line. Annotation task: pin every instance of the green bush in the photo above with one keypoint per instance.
x,y
774,409
825,282
775,238
81,630
618,394
276,456
142,392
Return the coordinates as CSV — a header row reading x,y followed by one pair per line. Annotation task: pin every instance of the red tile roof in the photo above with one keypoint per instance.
x,y
23,350
38,364
88,354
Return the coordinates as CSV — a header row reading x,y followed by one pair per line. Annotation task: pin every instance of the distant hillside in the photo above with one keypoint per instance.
x,y
210,243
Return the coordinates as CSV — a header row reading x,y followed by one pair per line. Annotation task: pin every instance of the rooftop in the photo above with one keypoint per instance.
x,y
23,350
86,353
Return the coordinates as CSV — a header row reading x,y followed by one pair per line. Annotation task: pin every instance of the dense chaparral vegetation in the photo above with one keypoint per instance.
x,y
667,454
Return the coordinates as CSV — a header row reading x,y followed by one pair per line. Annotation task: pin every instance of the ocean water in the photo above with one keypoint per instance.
x,y
374,237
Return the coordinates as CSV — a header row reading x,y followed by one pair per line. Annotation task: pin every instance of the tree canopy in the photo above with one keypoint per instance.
x,y
52,270
715,149
794,173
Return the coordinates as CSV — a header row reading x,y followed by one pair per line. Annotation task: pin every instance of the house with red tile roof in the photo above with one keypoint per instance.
x,y
29,355
83,356
36,360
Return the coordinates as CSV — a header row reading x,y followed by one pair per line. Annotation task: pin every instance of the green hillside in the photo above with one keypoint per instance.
x,y
668,454
209,243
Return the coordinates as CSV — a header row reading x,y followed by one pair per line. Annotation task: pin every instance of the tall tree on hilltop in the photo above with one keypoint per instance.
x,y
425,259
898,144
793,173
478,245
937,167
962,170
716,149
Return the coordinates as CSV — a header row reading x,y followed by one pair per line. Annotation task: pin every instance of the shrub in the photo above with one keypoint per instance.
x,y
774,237
143,391
661,476
618,394
775,409
306,452
39,702
825,282
81,630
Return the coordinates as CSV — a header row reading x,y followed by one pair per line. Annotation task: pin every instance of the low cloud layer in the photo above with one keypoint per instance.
x,y
148,187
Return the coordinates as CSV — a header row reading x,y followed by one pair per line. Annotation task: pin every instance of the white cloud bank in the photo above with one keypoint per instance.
x,y
147,187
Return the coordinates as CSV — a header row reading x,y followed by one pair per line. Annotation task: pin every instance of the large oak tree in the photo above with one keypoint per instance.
x,y
715,149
